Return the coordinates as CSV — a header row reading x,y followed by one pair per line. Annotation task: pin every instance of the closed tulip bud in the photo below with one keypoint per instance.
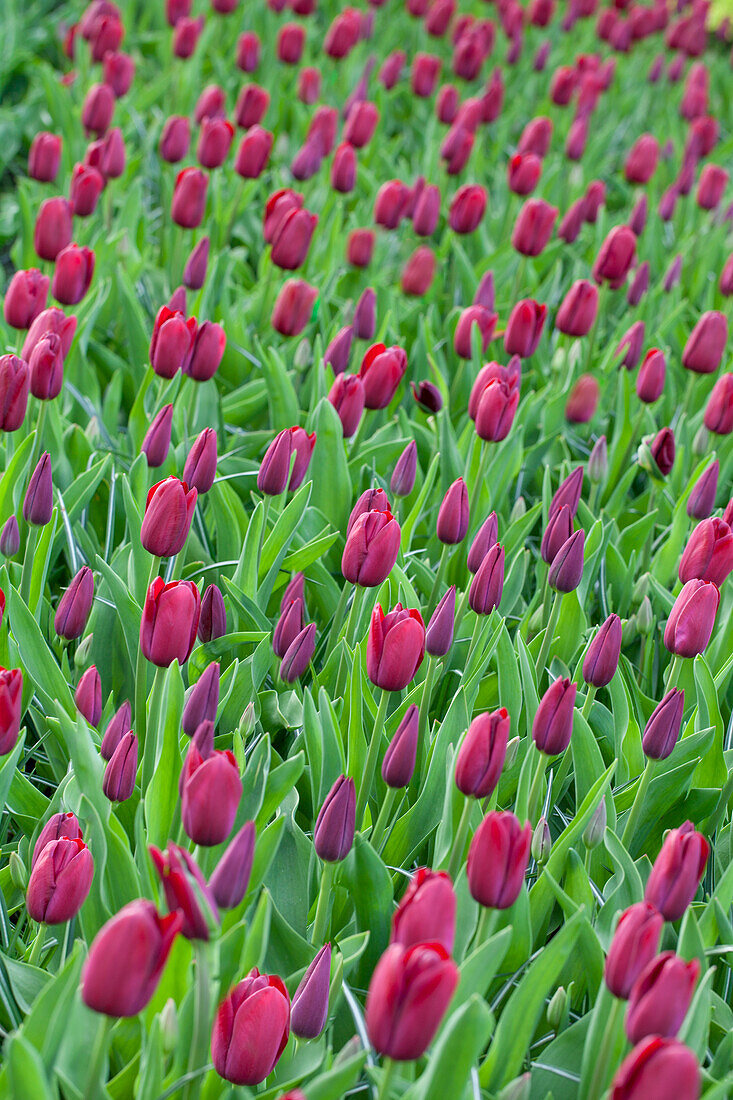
x,y
706,343
290,43
712,184
424,75
299,654
87,184
119,72
126,959
577,138
107,155
210,104
467,209
408,996
701,500
557,532
651,377
553,722
566,570
338,352
390,205
453,514
293,307
157,441
38,499
483,541
577,313
673,274
568,492
186,891
563,85
189,198
523,173
168,513
634,945
657,1064
365,314
692,618
596,828
497,860
202,701
11,708
10,538
75,605
172,342
637,224
484,321
667,203
169,621
25,298
541,845
194,273
403,475
439,633
292,239
309,1010
427,911
641,163
447,103
361,124
598,461
536,137
88,696
395,647
428,396
46,367
52,231
372,500
211,787
347,397
288,627
254,153
333,835
677,871
533,227
343,169
482,753
215,141
725,283
572,222
230,879
398,763
73,274
213,619
58,827
359,249
44,157
488,583
496,407
524,328
616,257
660,997
709,553
309,85
119,775
199,470
639,285
419,272
719,409
583,400
381,372
186,35
60,881
663,728
251,1029
662,451
97,109
175,139
602,656
371,549
119,724
631,343
207,352
427,211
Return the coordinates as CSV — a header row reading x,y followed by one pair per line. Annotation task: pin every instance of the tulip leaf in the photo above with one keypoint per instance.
x,y
36,657
161,790
370,888
128,609
332,489
12,474
26,1072
279,539
712,763
338,1080
450,1062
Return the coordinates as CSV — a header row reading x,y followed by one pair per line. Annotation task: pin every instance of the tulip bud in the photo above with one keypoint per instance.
x,y
677,871
119,775
117,727
72,274
231,877
496,406
566,570
97,109
439,632
213,619
712,184
25,298
59,826
419,272
75,605
202,701
52,231
524,328
408,996
381,372
577,313
482,753
497,860
602,656
403,475
706,343
293,306
373,500
719,409
453,516
533,227
467,209
541,841
44,158
189,198
359,249
692,618
395,647
157,441
391,203
194,273
488,583
484,539
616,257
87,184
168,513
596,828
171,344
169,621
662,451
309,1011
252,1026
46,367
701,500
10,538
660,997
13,393
663,728
634,945
299,654
427,912
211,789
583,400
661,1064
553,722
398,763
126,959
186,891
175,139
333,835
88,696
60,881
371,549
38,499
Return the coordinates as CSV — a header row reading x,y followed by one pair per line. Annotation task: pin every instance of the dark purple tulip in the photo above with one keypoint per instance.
x,y
398,763
568,492
365,315
333,835
663,728
338,351
439,631
309,1010
38,499
88,696
403,475
75,605
119,724
194,273
557,532
566,571
488,584
157,441
299,654
288,627
428,396
202,701
701,500
230,879
119,775
663,451
213,617
10,538
453,516
602,656
552,726
484,539
199,470
631,343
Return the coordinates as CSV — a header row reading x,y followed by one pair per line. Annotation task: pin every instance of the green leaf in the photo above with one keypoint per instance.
x,y
450,1062
37,659
161,787
332,489
26,1072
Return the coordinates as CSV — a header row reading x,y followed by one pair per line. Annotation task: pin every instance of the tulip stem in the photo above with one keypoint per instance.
x,y
141,670
99,1055
675,669
596,326
424,718
589,697
604,1057
456,855
337,620
477,482
534,799
37,948
641,792
548,636
27,568
263,530
199,1051
37,438
320,921
485,927
370,766
354,613
385,814
386,1082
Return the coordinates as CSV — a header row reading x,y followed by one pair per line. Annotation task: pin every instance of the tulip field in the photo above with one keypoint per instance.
x,y
366,524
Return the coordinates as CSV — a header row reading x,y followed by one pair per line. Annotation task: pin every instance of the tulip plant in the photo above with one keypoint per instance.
x,y
366,532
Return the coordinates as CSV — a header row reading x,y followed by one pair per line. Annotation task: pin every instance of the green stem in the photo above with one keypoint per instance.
x,y
604,1057
675,669
536,787
141,670
385,816
263,531
338,618
475,488
148,747
589,697
437,583
485,927
547,639
647,551
266,291
320,921
475,635
456,856
459,614
370,766
99,1055
594,330
199,1052
37,948
427,691
386,1082
638,803
37,439
352,624
27,569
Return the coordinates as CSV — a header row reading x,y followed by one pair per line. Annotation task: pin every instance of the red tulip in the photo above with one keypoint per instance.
x,y
497,859
408,996
427,911
395,647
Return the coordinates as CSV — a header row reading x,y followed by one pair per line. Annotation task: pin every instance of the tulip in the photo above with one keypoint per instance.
x,y
293,306
663,451
595,198
578,310
11,707
583,400
616,257
119,775
482,753
677,871
656,1065
107,155
371,549
38,499
175,139
485,292
44,158
75,605
639,285
651,377
706,343
495,410
254,153
87,184
292,240
483,541
251,106
157,441
186,891
373,500
207,352
60,881
398,763
172,342
536,137
211,790
251,1029
307,160
381,372
365,314
290,43
299,654
598,461
391,69
395,647
275,467
488,583
361,124
708,555
453,516
497,860
52,231
126,959
641,163
309,86
552,726
73,274
210,104
118,725
424,74
427,211
663,728
288,627
692,618
25,298
427,911
46,367
467,209
523,173
634,945
602,656
97,109
524,328
667,203
189,198
563,85
456,148
408,996
169,621
726,278
213,618
230,879
632,342
202,701
419,272
88,696
58,827
119,72
347,397
447,103
439,632
637,224
390,204
701,500
10,538
566,570
428,396
533,227
712,184
660,997
359,247
484,321
719,409
294,590
333,835
673,274
557,532
322,130
403,475
199,470
309,1010
194,273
